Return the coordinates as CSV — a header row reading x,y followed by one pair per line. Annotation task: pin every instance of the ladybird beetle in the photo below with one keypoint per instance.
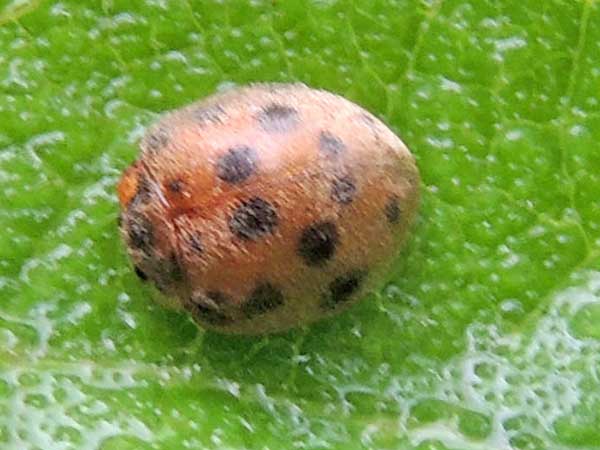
x,y
266,207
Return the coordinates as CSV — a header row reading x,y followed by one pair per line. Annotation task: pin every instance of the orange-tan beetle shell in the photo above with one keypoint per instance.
x,y
268,206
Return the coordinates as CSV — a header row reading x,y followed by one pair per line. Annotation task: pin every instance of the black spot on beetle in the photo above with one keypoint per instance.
x,y
343,287
392,209
343,189
237,164
208,307
195,242
253,219
263,299
218,298
318,243
140,232
211,316
276,118
175,186
330,145
141,275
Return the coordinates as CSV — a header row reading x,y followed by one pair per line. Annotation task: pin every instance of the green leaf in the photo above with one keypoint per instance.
x,y
489,335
